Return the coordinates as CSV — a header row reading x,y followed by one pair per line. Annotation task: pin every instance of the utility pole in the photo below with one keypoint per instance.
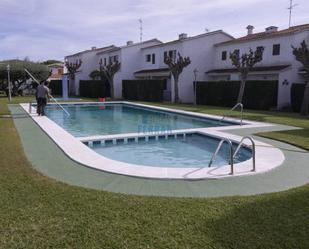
x,y
9,82
141,30
292,6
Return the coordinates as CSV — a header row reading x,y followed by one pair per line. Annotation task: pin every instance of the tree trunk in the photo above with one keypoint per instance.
x,y
111,87
72,87
176,94
305,104
241,90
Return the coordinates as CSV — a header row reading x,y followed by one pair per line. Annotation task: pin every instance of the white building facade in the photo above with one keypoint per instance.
x,y
209,55
278,62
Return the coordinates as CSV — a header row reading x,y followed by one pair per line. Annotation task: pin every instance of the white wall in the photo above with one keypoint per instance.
x,y
131,57
89,63
286,57
200,49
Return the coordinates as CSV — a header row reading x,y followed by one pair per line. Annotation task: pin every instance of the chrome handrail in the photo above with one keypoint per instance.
x,y
231,153
234,107
253,150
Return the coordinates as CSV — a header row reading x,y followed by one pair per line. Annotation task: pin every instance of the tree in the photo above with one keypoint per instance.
x,y
244,65
19,78
302,55
49,62
94,75
72,68
176,67
109,72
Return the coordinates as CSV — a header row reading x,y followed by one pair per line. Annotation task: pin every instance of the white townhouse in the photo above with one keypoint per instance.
x,y
89,63
199,48
128,55
278,61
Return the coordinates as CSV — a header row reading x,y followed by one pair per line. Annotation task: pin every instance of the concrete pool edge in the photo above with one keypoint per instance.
x,y
266,159
52,162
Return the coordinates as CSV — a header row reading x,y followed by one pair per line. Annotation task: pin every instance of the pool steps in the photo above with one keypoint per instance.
x,y
136,139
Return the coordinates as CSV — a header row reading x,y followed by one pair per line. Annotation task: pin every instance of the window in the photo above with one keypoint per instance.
x,y
224,55
153,59
148,57
105,61
171,54
60,71
276,49
112,59
165,55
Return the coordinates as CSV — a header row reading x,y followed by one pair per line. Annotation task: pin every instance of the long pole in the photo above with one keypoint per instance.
x,y
9,83
290,17
49,95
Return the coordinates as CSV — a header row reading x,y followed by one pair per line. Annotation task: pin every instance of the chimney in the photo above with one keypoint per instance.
x,y
250,29
271,29
129,43
93,48
183,36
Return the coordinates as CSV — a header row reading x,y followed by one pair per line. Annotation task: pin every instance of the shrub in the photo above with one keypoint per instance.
x,y
260,95
94,89
143,90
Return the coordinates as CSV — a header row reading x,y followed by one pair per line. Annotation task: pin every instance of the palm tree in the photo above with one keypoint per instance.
x,y
302,55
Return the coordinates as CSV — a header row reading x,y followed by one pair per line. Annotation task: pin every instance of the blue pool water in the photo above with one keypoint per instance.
x,y
107,119
190,152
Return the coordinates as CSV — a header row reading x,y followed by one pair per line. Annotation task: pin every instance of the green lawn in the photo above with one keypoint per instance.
x,y
37,212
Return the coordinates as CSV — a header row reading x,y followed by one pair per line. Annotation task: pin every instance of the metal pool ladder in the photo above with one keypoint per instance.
x,y
233,154
234,107
253,150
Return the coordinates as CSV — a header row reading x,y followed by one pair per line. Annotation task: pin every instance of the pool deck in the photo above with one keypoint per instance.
x,y
47,158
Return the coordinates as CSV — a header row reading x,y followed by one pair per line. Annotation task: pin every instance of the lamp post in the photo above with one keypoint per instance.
x,y
9,82
195,71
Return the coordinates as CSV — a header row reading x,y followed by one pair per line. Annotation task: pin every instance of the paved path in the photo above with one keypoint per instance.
x,y
48,159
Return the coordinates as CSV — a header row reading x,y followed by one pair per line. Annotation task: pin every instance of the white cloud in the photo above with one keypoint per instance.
x,y
45,29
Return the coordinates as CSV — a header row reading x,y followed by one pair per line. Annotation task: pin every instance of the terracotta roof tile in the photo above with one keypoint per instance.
x,y
265,35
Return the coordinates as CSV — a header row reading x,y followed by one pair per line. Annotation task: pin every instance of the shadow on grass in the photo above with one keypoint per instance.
x,y
276,221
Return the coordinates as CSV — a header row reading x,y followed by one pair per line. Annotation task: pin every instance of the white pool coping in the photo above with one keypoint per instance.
x,y
267,156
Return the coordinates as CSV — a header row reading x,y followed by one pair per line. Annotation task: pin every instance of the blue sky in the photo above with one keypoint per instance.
x,y
51,29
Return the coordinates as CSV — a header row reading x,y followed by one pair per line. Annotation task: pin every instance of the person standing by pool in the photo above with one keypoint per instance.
x,y
42,95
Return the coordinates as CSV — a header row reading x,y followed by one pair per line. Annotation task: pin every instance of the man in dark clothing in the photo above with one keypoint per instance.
x,y
42,95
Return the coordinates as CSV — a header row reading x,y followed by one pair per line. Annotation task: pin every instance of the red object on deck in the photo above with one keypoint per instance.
x,y
101,99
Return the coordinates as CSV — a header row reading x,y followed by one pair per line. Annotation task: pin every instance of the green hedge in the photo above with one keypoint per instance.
x,y
56,87
94,89
143,90
297,95
260,95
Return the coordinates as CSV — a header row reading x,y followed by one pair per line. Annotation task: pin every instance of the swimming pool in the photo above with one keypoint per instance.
x,y
182,151
108,119
151,142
